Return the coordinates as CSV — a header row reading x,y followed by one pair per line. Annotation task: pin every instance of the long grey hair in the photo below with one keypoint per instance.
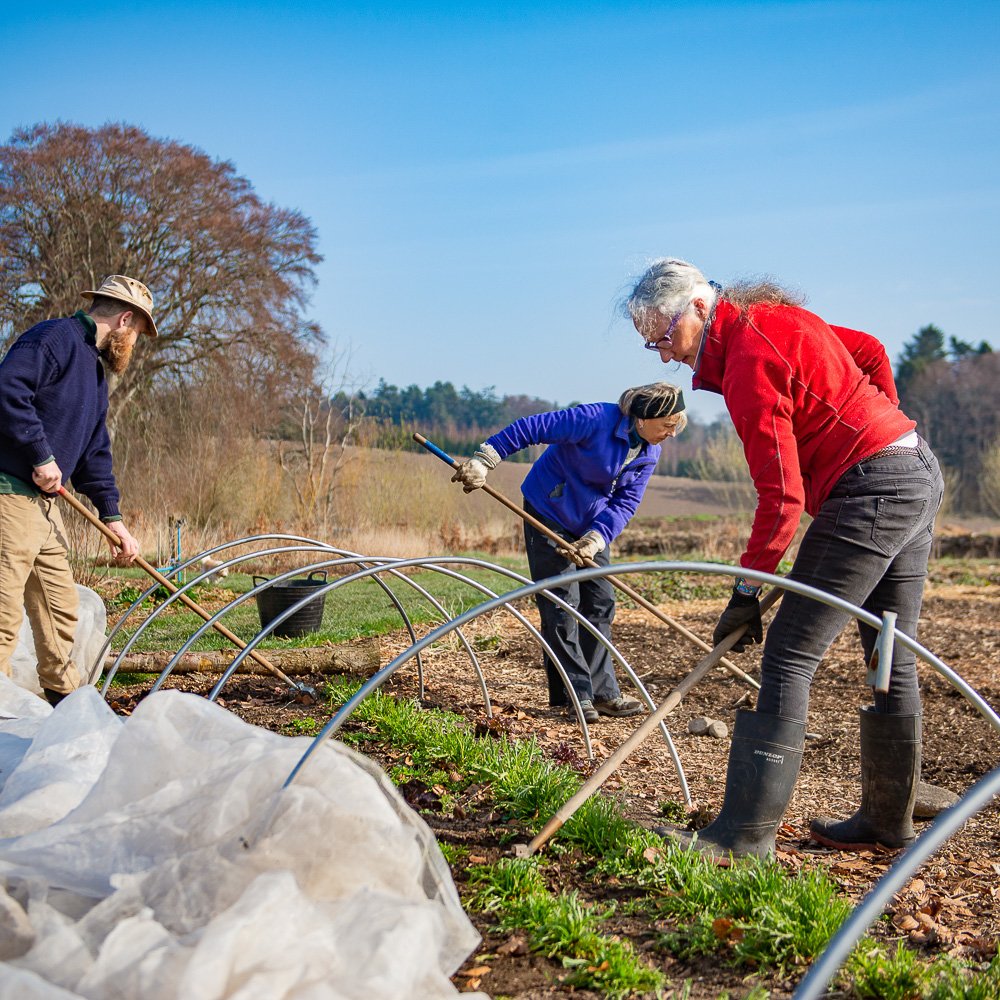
x,y
668,285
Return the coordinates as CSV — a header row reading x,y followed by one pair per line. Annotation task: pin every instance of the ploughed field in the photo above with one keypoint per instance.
x,y
953,904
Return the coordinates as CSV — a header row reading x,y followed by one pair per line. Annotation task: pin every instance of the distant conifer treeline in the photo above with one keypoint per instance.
x,y
458,420
950,387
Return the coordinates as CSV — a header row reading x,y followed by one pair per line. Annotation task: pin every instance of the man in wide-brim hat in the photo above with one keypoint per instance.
x,y
53,412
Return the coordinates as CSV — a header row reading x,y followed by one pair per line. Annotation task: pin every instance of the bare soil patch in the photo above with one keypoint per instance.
x,y
952,906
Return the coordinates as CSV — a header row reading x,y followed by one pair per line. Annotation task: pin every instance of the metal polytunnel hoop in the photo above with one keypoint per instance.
x,y
181,567
712,569
310,544
434,564
176,596
840,946
263,632
382,566
947,823
370,570
437,563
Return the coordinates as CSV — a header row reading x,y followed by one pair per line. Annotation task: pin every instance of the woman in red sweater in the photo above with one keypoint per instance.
x,y
816,409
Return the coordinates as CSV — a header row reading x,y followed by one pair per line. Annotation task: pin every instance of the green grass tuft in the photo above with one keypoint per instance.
x,y
562,927
752,915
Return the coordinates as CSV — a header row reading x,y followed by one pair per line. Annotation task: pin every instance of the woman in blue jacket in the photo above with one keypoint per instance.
x,y
585,487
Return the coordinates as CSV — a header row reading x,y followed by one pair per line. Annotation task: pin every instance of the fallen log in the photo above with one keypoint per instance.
x,y
360,658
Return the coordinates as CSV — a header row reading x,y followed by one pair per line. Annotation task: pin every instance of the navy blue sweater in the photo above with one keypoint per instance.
x,y
54,402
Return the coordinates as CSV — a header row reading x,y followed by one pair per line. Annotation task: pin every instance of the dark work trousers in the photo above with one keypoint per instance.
x,y
586,661
869,544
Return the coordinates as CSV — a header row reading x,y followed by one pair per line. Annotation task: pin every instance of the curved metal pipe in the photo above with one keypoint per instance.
x,y
120,624
434,563
712,569
378,679
313,543
184,565
309,544
947,823
483,589
953,677
436,604
159,609
243,598
286,613
389,566
364,562
437,563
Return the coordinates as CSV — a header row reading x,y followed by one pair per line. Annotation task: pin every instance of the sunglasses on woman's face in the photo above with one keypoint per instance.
x,y
667,339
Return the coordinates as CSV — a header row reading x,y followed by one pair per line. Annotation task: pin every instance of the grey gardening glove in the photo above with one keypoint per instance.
x,y
743,609
584,548
472,474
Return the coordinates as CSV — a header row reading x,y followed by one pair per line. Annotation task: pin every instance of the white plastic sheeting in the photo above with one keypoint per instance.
x,y
90,635
156,857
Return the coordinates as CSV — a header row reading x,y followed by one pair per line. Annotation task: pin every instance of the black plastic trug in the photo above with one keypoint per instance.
x,y
281,596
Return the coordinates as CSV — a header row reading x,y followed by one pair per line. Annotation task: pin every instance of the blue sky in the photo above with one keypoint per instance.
x,y
487,178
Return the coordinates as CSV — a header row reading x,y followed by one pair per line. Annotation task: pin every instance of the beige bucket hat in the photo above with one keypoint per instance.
x,y
126,289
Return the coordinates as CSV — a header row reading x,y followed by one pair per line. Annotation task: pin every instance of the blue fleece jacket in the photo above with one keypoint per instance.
x,y
54,403
579,482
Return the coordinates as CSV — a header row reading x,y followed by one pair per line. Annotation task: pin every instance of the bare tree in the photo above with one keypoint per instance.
x,y
989,480
957,408
313,459
229,273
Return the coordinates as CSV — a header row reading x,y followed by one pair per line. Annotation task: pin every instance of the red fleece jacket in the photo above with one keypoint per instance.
x,y
808,401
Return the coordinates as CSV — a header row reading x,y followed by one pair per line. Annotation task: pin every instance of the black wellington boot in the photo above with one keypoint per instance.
x,y
890,772
764,762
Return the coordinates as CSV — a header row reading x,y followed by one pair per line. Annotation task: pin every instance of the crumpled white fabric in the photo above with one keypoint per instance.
x,y
157,856
91,628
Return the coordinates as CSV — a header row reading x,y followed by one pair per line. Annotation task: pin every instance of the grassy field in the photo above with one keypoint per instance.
x,y
355,608
362,608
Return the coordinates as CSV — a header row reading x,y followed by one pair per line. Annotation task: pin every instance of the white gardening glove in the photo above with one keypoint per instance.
x,y
472,474
584,548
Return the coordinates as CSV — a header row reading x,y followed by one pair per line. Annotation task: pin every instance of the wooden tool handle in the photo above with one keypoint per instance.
x,y
164,582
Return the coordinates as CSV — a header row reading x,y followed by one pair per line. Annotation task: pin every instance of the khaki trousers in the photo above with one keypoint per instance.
x,y
35,576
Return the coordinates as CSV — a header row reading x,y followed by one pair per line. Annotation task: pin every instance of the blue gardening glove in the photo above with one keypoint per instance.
x,y
472,474
742,609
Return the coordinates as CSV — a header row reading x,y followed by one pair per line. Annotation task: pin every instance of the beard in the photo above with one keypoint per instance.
x,y
117,352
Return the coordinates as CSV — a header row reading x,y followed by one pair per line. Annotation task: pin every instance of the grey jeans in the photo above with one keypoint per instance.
x,y
586,661
869,544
